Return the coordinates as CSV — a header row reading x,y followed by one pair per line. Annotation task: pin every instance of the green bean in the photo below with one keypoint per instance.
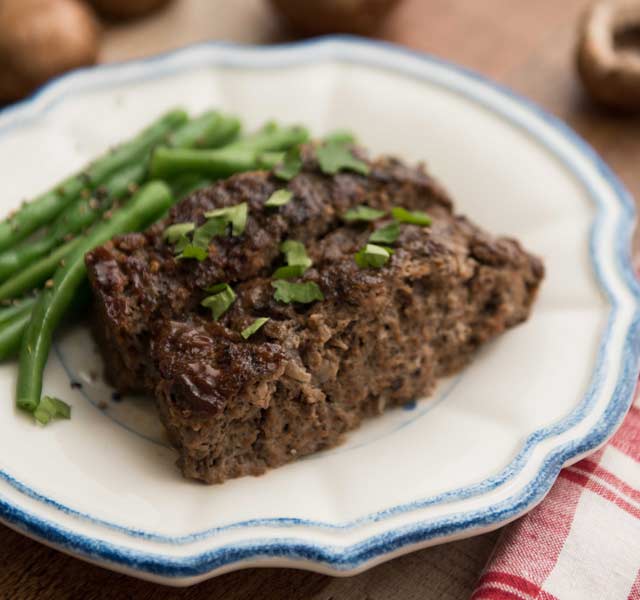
x,y
45,207
12,260
187,184
81,215
10,312
243,155
168,162
11,335
273,137
84,213
145,206
12,330
268,160
36,273
209,130
77,217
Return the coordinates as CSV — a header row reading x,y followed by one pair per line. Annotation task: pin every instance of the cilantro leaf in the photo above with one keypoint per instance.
x,y
198,247
288,292
297,260
181,244
387,234
279,198
291,164
247,332
235,215
221,300
174,232
216,288
337,156
193,251
51,408
363,213
372,256
416,217
207,231
289,272
295,253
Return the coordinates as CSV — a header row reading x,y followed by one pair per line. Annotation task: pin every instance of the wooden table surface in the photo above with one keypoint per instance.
x,y
526,45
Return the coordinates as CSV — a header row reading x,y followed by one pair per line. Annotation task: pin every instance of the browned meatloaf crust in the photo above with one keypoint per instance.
x,y
380,338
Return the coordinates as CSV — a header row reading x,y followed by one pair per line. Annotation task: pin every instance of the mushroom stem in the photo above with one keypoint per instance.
x,y
609,71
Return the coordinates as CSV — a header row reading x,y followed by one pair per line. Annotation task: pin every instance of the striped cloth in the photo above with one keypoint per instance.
x,y
583,540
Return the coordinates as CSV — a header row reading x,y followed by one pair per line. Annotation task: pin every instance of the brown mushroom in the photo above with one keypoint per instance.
x,y
127,9
40,39
328,16
608,54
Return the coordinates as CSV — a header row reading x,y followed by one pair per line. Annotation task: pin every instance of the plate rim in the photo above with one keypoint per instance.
x,y
351,558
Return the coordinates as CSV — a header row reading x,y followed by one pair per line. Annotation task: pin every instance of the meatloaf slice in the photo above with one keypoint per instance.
x,y
137,281
381,337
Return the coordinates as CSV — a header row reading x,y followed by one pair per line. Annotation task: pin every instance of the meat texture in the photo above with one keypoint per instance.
x,y
380,338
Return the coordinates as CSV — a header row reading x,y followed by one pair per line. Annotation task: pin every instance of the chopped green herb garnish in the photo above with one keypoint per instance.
x,y
249,331
295,253
337,156
206,232
291,164
221,300
387,234
235,215
373,256
340,136
216,288
279,198
289,272
297,260
288,292
415,217
363,213
51,408
174,232
193,251
198,247
181,244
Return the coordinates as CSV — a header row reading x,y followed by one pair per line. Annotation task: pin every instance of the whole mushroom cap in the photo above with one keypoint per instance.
x,y
610,72
127,9
43,38
329,16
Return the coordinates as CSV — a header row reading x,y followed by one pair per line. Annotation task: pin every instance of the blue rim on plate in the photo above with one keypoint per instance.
x,y
338,558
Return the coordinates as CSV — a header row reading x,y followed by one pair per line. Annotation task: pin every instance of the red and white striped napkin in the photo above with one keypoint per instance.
x,y
583,540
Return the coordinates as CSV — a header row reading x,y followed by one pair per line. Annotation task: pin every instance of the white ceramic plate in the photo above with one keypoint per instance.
x,y
479,453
